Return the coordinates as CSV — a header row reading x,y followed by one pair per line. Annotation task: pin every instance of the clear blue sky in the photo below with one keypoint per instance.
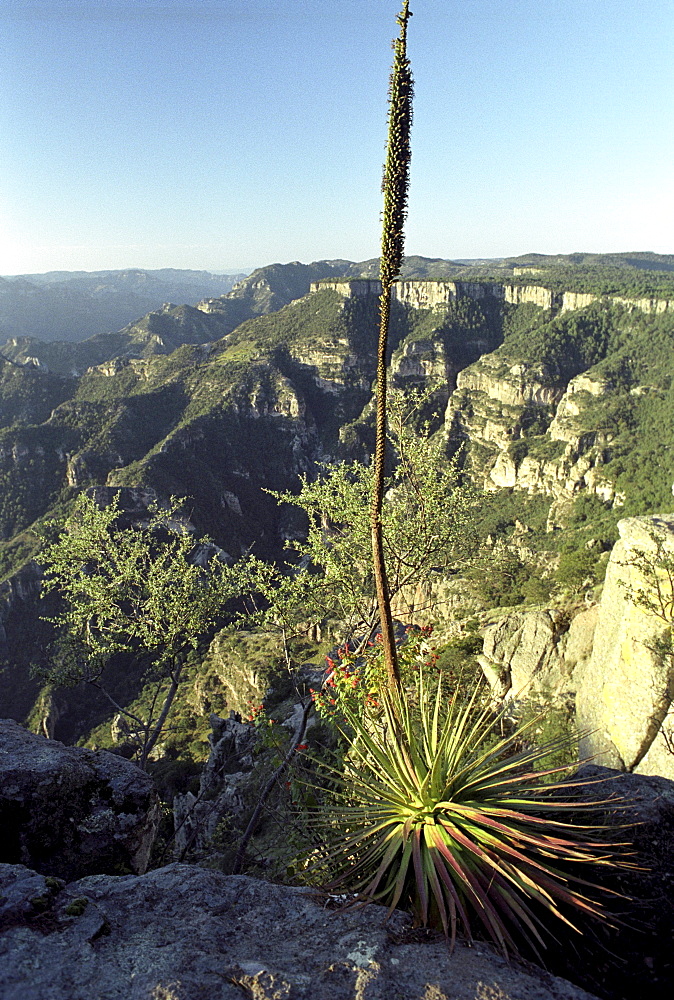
x,y
227,134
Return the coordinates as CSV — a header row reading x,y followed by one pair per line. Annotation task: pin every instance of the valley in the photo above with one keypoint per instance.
x,y
532,403
557,403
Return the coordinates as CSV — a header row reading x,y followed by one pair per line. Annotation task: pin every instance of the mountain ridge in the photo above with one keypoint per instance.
x,y
562,419
75,305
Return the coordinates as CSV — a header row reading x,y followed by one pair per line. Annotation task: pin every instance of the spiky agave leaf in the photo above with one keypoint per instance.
x,y
433,812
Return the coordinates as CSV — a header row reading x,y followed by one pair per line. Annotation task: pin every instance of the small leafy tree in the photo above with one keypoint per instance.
x,y
425,520
137,591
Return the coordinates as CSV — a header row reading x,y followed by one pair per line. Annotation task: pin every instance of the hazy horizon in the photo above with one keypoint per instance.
x,y
249,270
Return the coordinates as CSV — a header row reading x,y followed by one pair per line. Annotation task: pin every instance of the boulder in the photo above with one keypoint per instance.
x,y
534,655
70,812
184,933
625,691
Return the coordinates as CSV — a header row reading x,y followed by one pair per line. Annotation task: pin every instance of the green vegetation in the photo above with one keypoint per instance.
x,y
604,280
425,521
131,591
636,275
433,812
77,907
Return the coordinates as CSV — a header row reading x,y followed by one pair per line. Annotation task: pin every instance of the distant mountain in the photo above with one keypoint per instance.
x,y
75,305
641,260
158,332
561,407
270,288
161,331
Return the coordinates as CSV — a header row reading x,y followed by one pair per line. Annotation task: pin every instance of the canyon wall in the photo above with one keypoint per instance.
x,y
422,294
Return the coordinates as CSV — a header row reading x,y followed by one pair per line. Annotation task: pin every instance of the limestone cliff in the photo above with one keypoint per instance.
x,y
420,294
612,662
535,655
530,428
626,691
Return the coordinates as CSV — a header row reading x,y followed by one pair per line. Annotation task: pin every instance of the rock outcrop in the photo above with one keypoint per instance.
x,y
428,294
614,661
625,693
183,933
226,789
535,655
69,812
496,402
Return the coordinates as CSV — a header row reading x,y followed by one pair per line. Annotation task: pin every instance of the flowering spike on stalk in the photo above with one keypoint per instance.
x,y
395,188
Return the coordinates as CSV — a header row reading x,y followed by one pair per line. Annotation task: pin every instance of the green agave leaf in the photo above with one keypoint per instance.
x,y
401,876
431,876
523,829
432,810
382,756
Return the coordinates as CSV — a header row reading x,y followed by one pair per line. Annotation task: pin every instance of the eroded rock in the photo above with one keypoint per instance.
x,y
69,812
625,692
183,932
226,788
534,655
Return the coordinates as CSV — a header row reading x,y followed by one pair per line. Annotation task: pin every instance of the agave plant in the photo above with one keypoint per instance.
x,y
435,813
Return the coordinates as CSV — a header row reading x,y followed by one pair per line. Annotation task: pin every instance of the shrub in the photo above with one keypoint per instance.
x,y
434,812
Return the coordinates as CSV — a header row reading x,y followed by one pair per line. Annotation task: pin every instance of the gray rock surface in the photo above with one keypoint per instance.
x,y
534,655
226,787
69,812
625,692
186,933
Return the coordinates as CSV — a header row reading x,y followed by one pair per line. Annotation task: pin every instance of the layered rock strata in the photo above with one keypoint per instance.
x,y
425,294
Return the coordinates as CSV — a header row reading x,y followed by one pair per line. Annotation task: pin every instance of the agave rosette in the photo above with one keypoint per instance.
x,y
435,813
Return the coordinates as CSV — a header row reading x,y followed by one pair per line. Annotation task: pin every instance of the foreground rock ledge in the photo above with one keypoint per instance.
x,y
69,812
184,932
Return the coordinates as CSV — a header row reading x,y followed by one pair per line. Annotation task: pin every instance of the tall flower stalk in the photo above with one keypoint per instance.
x,y
395,188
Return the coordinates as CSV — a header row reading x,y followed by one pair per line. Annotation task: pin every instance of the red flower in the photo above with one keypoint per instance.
x,y
302,746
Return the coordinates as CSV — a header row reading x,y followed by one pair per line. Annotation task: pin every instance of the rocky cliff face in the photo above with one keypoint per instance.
x,y
626,691
612,662
530,429
535,655
420,294
543,426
